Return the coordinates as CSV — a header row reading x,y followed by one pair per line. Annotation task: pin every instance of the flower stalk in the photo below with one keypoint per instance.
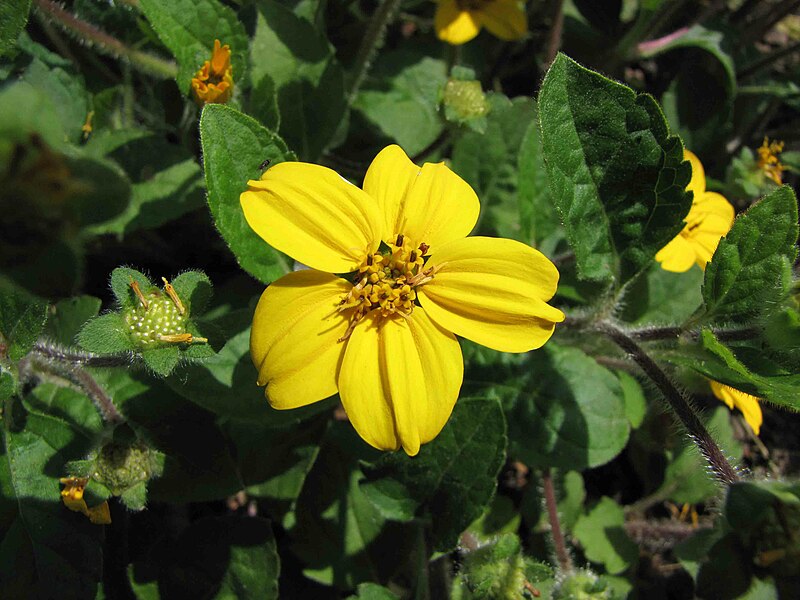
x,y
559,544
372,42
106,43
678,402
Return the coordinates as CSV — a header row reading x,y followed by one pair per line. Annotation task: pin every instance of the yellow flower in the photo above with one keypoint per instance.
x,y
382,335
768,160
72,496
746,403
213,83
458,21
709,219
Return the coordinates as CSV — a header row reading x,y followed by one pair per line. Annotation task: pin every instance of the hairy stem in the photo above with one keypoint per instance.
x,y
80,358
370,44
666,333
106,43
560,546
678,402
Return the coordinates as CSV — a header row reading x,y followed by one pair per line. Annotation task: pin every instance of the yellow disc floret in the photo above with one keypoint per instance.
x,y
385,282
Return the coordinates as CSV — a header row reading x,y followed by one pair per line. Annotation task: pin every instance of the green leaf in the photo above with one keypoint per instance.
x,y
50,547
68,316
686,479
340,536
403,103
22,320
305,76
162,361
603,537
189,27
752,268
635,401
454,475
106,334
372,591
13,16
616,175
569,414
66,90
660,297
234,145
194,290
223,557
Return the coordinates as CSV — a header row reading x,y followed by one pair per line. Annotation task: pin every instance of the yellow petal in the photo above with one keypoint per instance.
x,y
698,182
293,342
100,514
678,256
400,380
439,207
388,180
716,204
453,25
748,404
310,213
493,291
504,18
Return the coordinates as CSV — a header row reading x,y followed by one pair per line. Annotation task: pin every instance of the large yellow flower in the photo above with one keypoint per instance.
x,y
709,219
458,21
213,83
751,410
382,335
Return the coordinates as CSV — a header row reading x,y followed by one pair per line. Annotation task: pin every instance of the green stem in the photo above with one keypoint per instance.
x,y
373,40
559,544
678,402
105,43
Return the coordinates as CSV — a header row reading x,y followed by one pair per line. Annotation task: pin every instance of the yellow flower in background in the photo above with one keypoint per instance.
x,y
458,21
382,336
72,496
709,219
768,160
751,410
213,83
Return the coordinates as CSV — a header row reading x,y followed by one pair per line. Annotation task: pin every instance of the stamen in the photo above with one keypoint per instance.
x,y
181,338
173,295
139,294
399,241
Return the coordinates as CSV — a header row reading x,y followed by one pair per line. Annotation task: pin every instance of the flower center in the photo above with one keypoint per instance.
x,y
384,284
468,5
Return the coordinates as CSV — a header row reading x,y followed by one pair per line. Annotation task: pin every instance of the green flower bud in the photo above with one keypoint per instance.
x,y
496,571
120,467
464,100
160,317
582,585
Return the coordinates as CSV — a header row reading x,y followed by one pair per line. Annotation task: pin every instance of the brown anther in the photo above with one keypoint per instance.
x,y
181,338
423,248
399,241
413,256
370,260
139,294
173,295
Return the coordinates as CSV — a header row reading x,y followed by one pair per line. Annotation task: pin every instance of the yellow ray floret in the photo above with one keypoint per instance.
x,y
709,220
458,21
383,335
735,399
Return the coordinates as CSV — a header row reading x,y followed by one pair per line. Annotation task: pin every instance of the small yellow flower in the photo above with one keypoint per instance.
x,y
709,219
213,83
458,21
768,160
382,336
72,496
746,403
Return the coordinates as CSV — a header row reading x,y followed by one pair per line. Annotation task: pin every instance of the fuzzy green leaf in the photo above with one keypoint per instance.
x,y
106,334
121,279
21,321
569,414
454,475
305,76
234,145
223,557
189,27
162,361
601,533
616,175
68,316
13,16
751,271
194,290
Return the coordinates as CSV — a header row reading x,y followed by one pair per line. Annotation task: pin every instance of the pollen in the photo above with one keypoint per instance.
x,y
385,283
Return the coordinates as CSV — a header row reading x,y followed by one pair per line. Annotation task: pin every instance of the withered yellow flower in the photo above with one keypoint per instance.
x,y
213,83
458,21
768,160
748,404
72,496
709,219
382,336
